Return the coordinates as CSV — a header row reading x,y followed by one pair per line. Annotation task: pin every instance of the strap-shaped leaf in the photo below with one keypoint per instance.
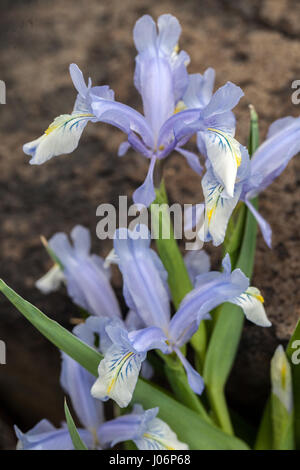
x,y
76,439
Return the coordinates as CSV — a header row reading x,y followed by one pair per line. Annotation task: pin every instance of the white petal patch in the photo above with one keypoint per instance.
x,y
159,436
251,302
225,156
217,209
51,281
118,374
62,136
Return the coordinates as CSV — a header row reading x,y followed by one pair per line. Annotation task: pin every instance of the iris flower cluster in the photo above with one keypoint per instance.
x,y
177,106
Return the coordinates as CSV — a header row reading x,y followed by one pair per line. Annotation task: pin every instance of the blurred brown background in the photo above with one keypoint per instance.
x,y
255,44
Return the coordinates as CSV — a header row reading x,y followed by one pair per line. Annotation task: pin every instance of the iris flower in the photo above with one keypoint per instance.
x,y
253,176
146,293
162,81
86,277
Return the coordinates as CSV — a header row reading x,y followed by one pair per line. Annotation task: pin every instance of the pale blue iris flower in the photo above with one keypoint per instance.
x,y
146,293
167,124
253,176
269,161
86,277
144,428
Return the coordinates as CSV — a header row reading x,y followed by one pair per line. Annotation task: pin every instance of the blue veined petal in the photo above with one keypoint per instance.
x,y
127,427
225,122
217,208
44,436
119,370
62,136
251,301
211,290
143,427
225,156
200,89
159,436
142,276
77,383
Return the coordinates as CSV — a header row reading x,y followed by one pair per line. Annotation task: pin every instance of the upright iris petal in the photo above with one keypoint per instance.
x,y
144,276
160,74
86,277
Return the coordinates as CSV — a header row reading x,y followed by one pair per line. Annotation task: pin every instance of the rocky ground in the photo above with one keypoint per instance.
x,y
254,44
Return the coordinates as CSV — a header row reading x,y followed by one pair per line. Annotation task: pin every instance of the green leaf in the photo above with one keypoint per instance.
x,y
235,231
178,380
76,439
88,357
188,425
253,142
178,278
283,426
264,439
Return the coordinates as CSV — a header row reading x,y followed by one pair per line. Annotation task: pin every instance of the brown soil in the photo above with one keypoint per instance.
x,y
254,44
